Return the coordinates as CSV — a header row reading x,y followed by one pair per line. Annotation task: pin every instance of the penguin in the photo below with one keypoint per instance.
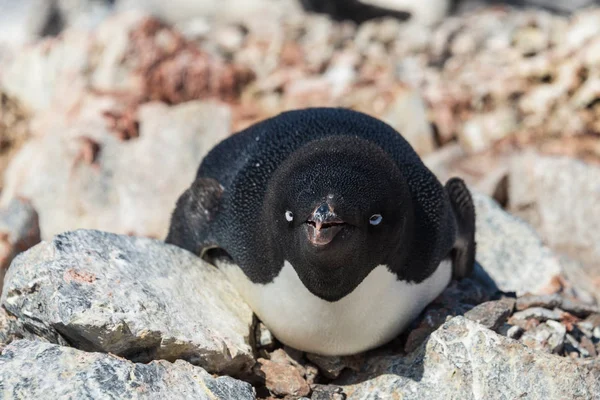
x,y
329,225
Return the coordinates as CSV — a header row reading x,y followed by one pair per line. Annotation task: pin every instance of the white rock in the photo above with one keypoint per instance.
x,y
134,297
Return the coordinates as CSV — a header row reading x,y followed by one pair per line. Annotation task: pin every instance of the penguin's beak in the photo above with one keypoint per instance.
x,y
323,225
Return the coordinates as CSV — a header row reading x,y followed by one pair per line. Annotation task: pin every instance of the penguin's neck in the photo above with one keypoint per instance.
x,y
371,315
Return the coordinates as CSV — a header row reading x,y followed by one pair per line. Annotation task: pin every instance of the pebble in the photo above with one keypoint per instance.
x,y
548,336
539,313
492,314
515,332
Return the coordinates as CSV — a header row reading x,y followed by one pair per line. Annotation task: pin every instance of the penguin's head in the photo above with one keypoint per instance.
x,y
337,208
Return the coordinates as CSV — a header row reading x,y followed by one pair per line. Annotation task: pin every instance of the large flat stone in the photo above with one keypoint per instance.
x,y
36,370
134,297
510,250
464,360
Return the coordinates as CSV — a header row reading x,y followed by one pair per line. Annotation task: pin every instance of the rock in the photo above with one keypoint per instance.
x,y
408,115
19,230
514,332
465,360
481,131
492,314
21,22
12,329
282,375
134,297
457,299
556,300
265,341
548,336
42,370
510,251
327,392
330,367
100,182
539,313
568,222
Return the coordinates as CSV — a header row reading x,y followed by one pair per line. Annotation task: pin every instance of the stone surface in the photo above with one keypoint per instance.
x,y
556,300
330,367
492,314
36,370
463,359
283,376
548,336
569,221
19,230
408,115
97,181
510,251
134,297
539,313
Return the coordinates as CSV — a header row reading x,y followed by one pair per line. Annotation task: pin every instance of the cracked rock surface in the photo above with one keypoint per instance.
x,y
134,297
465,360
76,374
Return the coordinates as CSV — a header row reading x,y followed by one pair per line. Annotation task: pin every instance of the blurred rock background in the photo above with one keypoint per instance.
x,y
108,106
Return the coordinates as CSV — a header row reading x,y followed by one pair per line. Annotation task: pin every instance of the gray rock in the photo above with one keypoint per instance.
x,y
539,313
548,336
481,131
556,300
330,367
19,230
464,360
36,370
492,314
100,182
12,329
408,115
327,392
514,332
510,251
134,297
559,197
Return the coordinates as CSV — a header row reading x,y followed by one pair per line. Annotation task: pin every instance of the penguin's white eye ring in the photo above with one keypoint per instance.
x,y
375,219
289,216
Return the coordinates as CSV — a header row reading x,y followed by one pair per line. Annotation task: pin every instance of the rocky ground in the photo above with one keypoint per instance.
x,y
101,130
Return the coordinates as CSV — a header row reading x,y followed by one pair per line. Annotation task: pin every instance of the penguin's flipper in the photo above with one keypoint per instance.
x,y
463,253
194,211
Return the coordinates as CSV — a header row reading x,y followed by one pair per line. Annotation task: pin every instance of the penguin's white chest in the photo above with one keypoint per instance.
x,y
373,314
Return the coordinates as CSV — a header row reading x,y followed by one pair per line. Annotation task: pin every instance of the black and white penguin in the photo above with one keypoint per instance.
x,y
329,225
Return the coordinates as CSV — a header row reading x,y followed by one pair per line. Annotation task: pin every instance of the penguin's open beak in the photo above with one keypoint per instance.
x,y
323,225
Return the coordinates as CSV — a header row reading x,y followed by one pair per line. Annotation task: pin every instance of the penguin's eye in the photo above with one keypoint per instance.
x,y
375,219
289,216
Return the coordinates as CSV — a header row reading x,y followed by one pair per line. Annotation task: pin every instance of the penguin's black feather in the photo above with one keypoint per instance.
x,y
244,165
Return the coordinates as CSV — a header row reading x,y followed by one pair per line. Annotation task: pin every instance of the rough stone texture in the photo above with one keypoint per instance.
x,y
408,115
556,300
492,314
541,314
19,230
458,298
283,379
330,367
464,360
510,251
35,370
548,336
97,181
559,197
134,297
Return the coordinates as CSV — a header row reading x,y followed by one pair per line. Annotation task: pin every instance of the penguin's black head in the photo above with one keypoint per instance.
x,y
337,208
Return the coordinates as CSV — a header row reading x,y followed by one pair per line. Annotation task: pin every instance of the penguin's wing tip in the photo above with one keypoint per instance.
x,y
194,211
463,254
